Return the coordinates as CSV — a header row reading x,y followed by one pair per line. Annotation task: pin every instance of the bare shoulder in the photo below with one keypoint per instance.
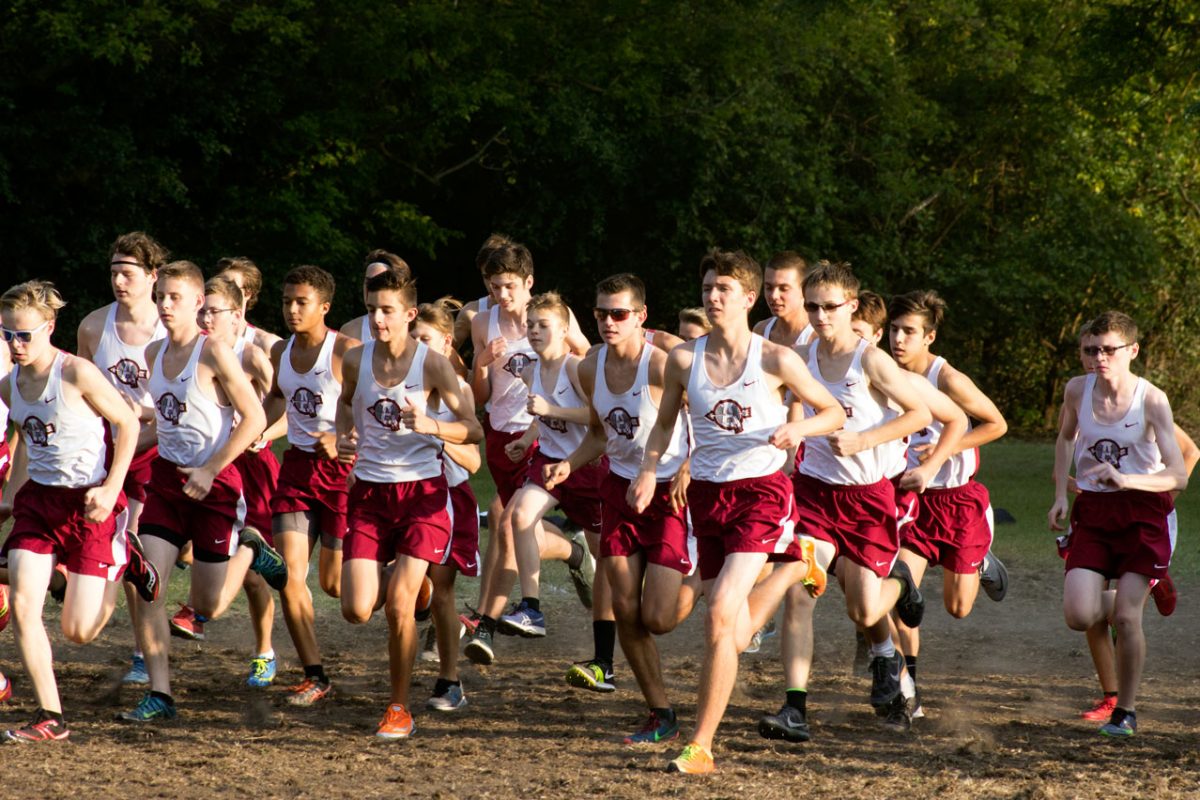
x,y
1074,390
265,340
352,328
78,370
343,344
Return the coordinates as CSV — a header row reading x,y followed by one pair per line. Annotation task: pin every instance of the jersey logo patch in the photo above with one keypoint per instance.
x,y
622,422
170,407
553,424
1108,452
517,363
729,415
387,413
306,401
128,373
38,432
849,411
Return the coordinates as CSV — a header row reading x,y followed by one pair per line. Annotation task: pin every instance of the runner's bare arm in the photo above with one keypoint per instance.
x,y
347,438
679,365
442,380
1173,476
789,369
954,425
887,377
989,425
1064,444
106,401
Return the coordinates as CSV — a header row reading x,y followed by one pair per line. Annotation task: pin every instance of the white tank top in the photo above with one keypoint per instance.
x,y
805,336
863,412
959,468
506,406
456,473
191,425
482,304
312,396
1128,444
366,334
731,424
65,447
628,418
388,452
557,439
3,416
247,337
125,365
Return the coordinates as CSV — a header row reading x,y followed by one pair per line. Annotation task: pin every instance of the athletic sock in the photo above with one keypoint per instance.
x,y
604,637
534,603
1110,694
316,672
798,699
910,663
54,715
269,655
166,698
664,714
575,561
442,686
199,617
487,624
887,649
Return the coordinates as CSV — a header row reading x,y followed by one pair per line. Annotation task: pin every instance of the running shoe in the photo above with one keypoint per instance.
x,y
429,646
1103,709
993,577
918,710
910,606
397,723
525,621
140,572
262,672
309,691
44,728
137,674
149,709
5,689
592,675
885,681
1121,725
424,606
816,579
657,729
58,584
583,575
898,717
5,611
452,699
761,635
479,648
187,624
467,623
694,760
267,561
1163,592
790,724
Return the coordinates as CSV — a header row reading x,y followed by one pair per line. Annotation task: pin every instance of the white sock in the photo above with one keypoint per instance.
x,y
907,687
887,649
269,655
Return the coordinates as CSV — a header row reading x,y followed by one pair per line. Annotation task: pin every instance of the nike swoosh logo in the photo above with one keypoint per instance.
x,y
319,372
414,386
220,541
880,563
51,399
638,392
975,564
560,391
749,383
896,672
768,540
851,383
183,378
1161,566
1130,424
438,550
684,562
470,565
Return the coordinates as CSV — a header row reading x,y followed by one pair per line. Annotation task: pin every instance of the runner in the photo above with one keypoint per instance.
x,y
377,261
783,277
246,275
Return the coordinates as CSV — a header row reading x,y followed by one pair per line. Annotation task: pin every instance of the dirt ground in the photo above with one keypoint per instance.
x,y
1003,690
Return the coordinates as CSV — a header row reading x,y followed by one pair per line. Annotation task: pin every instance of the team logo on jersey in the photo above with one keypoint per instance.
x,y
728,415
553,424
849,411
387,413
170,407
128,373
517,363
624,423
37,431
306,401
1109,452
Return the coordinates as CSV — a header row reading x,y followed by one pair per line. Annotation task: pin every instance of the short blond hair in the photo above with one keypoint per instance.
x,y
41,296
552,302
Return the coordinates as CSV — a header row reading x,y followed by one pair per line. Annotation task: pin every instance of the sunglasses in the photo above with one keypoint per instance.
x,y
24,337
1109,350
617,314
828,308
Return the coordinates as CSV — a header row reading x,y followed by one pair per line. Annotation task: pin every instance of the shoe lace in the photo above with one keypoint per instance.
x,y
261,666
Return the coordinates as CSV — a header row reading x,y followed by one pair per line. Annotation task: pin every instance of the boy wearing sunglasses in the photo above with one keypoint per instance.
x,y
1127,465
739,499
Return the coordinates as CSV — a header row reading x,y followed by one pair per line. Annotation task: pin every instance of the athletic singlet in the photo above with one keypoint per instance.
x,y
863,412
388,452
247,337
191,425
506,406
1127,444
731,424
65,447
125,365
311,397
960,467
366,330
482,304
4,415
628,418
805,336
455,473
557,438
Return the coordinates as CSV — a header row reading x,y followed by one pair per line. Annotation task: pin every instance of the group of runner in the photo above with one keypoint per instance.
x,y
735,466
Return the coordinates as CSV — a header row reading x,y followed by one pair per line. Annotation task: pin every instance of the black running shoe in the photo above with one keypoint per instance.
x,y
140,572
790,724
885,681
899,716
479,648
910,607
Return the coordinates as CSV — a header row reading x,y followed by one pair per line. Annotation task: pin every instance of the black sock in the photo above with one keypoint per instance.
x,y
443,685
55,715
577,553
316,672
604,636
1110,694
166,698
487,624
798,699
910,663
533,603
665,714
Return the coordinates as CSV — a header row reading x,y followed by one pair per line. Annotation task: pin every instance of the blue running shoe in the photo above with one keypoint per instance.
x,y
262,672
525,621
137,674
267,561
148,709
1121,725
657,729
452,699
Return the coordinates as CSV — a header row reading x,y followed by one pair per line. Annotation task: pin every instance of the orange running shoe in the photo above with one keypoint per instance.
x,y
187,624
5,689
816,579
424,600
1102,710
5,611
309,691
1163,592
694,760
397,723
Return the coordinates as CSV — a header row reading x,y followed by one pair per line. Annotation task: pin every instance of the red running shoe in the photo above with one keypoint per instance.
x,y
1102,710
1163,592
